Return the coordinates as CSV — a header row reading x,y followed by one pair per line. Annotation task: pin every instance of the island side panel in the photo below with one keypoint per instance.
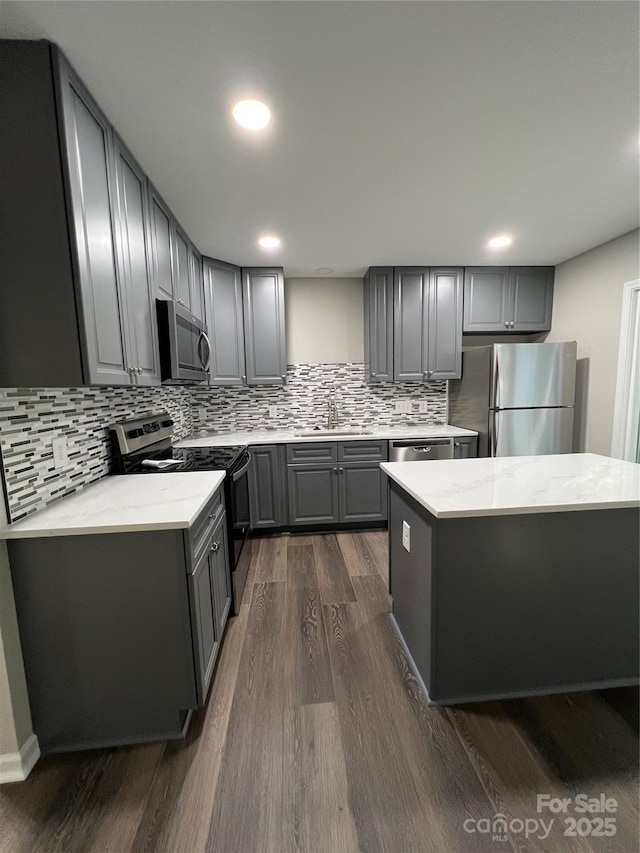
x,y
535,603
410,576
104,627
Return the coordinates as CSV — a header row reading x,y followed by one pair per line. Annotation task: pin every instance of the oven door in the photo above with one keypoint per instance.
x,y
238,506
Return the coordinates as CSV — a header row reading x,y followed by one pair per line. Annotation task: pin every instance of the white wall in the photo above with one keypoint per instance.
x,y
587,307
325,320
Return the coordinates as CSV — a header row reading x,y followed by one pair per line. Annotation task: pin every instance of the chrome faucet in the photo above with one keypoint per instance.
x,y
332,413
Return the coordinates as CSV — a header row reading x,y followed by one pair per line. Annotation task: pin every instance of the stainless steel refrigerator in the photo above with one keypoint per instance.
x,y
518,397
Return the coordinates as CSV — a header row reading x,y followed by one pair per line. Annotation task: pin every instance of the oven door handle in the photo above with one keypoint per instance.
x,y
237,474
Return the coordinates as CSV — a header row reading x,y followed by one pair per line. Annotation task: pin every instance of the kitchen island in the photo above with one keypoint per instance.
x,y
516,576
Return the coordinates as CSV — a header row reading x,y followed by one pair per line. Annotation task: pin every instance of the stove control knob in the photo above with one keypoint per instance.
x,y
135,433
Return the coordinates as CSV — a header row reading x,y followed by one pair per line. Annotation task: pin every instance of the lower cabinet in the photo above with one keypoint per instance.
x,y
340,491
210,598
120,631
465,447
266,487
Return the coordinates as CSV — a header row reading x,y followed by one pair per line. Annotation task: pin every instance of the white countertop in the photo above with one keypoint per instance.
x,y
466,488
123,504
289,436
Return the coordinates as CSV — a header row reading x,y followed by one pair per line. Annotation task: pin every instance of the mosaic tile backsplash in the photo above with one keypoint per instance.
x,y
302,401
30,418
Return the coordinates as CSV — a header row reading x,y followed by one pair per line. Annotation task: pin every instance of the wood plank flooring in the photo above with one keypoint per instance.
x,y
316,738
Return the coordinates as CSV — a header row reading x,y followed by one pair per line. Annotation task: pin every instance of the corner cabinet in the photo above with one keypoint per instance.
x,y
267,492
264,329
508,300
427,314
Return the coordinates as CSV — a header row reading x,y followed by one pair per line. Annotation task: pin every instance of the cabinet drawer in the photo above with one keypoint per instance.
x,y
200,531
363,451
312,452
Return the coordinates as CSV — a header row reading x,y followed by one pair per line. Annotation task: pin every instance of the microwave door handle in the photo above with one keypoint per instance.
x,y
204,337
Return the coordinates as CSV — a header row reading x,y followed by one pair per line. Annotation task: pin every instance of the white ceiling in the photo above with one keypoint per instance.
x,y
402,133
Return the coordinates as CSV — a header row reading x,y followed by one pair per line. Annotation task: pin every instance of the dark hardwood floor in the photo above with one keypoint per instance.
x,y
316,738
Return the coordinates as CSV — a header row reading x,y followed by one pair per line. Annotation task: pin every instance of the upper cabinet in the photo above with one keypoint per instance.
x,y
264,330
245,318
413,323
378,324
225,322
427,311
508,299
79,309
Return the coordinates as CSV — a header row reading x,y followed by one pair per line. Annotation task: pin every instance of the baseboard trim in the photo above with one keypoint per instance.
x,y
16,766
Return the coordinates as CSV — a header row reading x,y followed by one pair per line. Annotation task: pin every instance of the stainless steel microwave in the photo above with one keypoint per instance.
x,y
185,349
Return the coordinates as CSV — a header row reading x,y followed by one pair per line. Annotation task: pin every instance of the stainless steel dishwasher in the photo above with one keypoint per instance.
x,y
420,450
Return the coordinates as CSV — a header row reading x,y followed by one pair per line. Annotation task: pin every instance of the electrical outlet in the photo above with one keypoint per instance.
x,y
202,414
403,406
423,406
273,411
60,452
406,536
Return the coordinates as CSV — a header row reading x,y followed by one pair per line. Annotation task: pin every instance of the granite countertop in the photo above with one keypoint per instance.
x,y
123,504
456,488
289,436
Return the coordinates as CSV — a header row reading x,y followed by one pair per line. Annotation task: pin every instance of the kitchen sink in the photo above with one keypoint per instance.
x,y
311,433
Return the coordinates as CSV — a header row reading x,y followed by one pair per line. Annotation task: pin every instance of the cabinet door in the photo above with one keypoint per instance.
x,y
363,492
443,324
531,292
135,268
196,284
378,324
181,275
160,240
265,487
486,299
313,494
263,304
465,448
220,577
203,629
410,289
89,152
225,323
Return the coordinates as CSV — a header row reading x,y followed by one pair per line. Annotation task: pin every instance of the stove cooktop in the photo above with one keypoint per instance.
x,y
189,459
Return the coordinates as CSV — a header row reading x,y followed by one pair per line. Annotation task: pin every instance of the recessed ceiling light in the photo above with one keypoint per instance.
x,y
253,115
269,241
324,270
499,242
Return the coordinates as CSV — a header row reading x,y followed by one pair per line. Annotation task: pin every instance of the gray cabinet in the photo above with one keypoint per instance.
x,y
266,490
427,308
507,299
343,485
135,268
313,494
363,493
89,150
104,239
264,329
204,629
219,567
465,447
160,228
378,324
225,322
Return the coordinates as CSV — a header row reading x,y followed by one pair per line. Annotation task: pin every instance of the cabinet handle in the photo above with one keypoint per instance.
x,y
139,369
512,324
506,322
215,546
